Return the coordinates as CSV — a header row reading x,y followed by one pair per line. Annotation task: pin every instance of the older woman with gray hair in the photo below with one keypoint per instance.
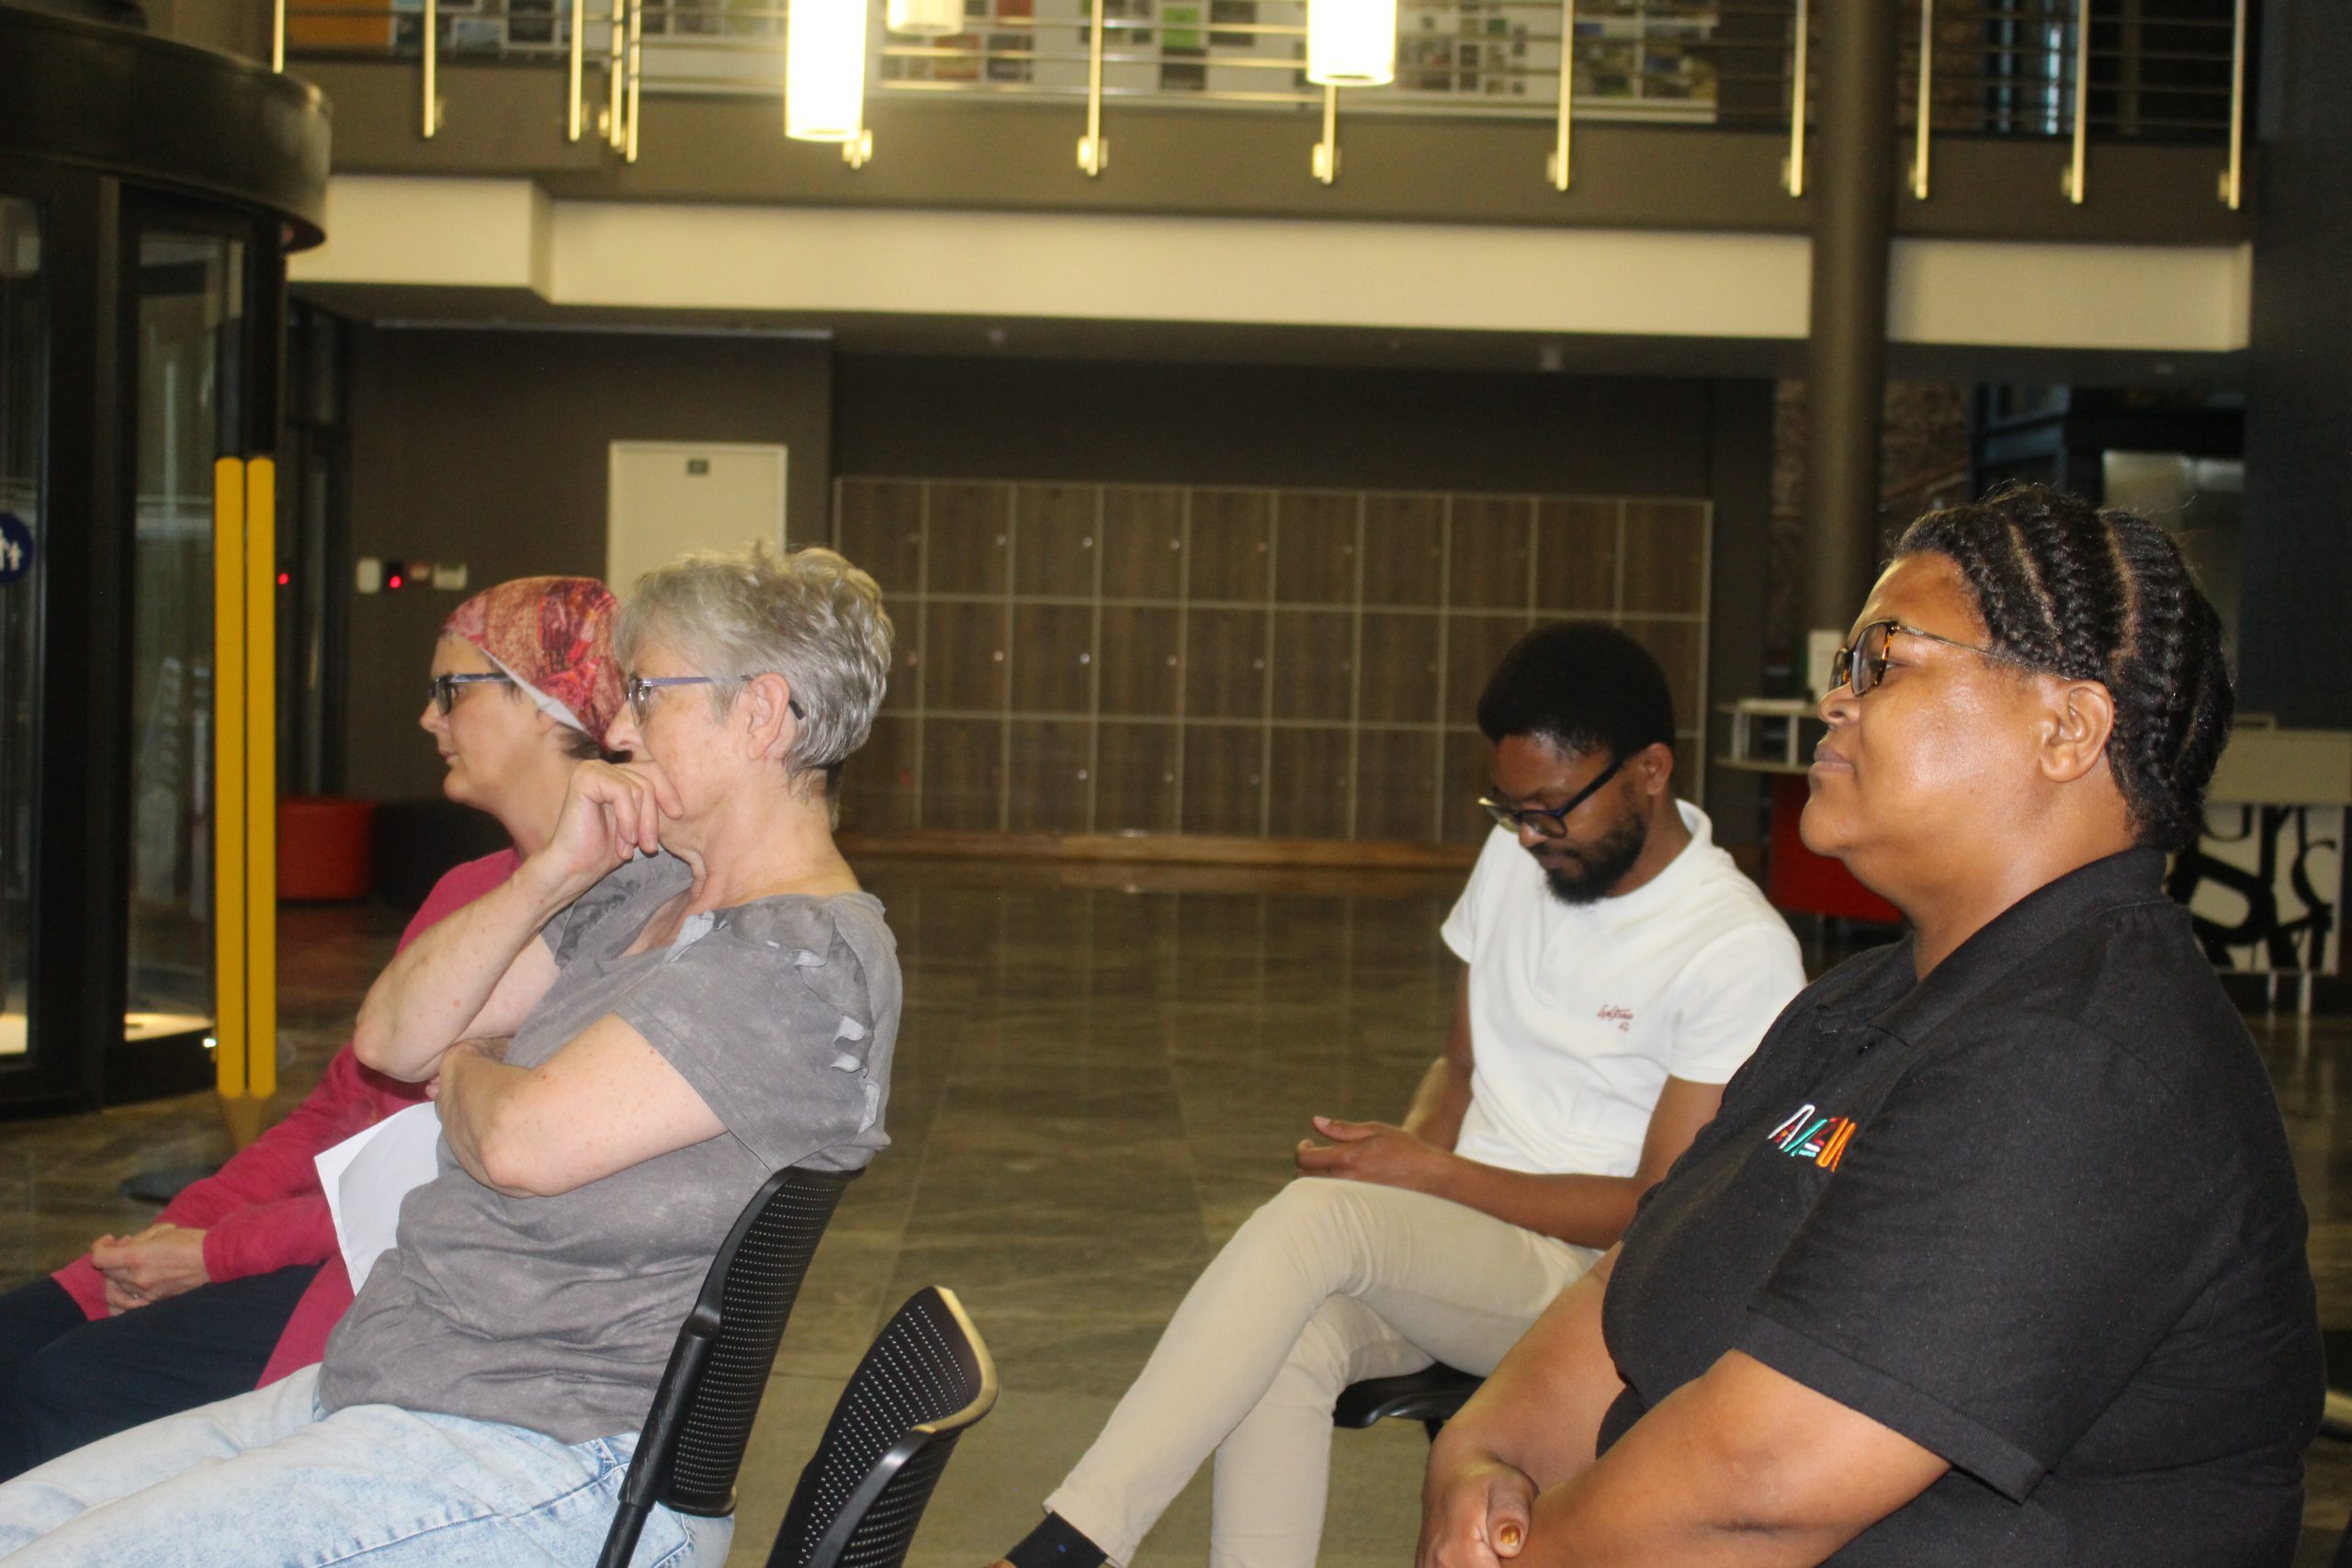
x,y
685,991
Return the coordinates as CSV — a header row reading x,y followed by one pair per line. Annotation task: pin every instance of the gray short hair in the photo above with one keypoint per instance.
x,y
809,617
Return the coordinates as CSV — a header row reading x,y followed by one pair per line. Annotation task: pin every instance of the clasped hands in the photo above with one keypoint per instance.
x,y
161,1261
1372,1151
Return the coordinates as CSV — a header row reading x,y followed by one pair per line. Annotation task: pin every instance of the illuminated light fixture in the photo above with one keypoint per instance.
x,y
824,70
927,18
1351,43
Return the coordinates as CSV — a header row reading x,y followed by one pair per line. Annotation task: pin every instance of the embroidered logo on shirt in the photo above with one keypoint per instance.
x,y
1810,1135
1621,1016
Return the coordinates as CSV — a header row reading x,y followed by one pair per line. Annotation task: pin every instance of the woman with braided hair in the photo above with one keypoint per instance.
x,y
1995,1251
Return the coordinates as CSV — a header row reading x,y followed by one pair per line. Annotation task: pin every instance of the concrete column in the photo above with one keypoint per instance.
x,y
2294,640
1851,184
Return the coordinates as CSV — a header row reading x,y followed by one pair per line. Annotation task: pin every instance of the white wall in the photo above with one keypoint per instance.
x,y
652,256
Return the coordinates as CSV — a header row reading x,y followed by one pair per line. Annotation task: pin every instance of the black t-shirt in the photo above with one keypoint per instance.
x,y
2036,1213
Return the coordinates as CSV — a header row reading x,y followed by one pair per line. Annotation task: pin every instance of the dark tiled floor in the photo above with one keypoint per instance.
x,y
1100,1072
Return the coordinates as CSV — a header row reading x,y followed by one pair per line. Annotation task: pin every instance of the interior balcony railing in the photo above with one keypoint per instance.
x,y
2069,71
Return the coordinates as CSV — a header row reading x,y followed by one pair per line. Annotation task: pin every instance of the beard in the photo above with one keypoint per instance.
x,y
1586,875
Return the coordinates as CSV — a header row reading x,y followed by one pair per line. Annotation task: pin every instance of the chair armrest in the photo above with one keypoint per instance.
x,y
1433,1394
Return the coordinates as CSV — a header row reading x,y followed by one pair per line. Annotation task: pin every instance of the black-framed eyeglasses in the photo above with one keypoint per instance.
x,y
639,690
1545,824
1861,663
445,687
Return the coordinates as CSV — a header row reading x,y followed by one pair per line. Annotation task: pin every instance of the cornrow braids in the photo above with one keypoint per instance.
x,y
2100,595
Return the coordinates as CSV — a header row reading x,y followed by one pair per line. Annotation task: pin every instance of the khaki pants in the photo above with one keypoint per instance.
x,y
1330,1282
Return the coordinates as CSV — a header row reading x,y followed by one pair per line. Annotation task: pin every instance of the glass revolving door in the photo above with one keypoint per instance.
x,y
189,310
23,347
148,193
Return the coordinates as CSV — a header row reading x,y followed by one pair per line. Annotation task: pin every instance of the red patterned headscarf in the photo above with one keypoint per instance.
x,y
554,635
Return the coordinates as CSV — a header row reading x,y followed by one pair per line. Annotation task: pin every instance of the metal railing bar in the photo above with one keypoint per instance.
x,y
2168,56
1683,82
1699,17
1366,103
2234,173
2047,20
2111,122
2063,88
635,74
2078,168
1585,47
1799,37
432,88
1027,24
1234,61
1403,95
2098,56
557,22
1093,154
575,108
1559,170
1210,57
1924,116
1032,56
668,79
731,20
614,43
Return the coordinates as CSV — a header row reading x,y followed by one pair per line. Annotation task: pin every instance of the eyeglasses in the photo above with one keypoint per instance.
x,y
1861,663
1543,824
445,687
639,690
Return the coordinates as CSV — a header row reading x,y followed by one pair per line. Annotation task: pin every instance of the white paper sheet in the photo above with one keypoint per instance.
x,y
367,1176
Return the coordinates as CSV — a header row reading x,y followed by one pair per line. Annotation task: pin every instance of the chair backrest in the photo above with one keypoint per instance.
x,y
692,1445
925,1380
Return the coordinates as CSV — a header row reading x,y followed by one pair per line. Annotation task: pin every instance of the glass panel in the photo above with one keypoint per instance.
x,y
23,431
191,327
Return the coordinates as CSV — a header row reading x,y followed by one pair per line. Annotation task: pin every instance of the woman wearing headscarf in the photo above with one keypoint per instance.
x,y
682,991
1995,1252
239,1281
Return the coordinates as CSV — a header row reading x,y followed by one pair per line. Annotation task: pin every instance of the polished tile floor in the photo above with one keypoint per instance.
x,y
1100,1072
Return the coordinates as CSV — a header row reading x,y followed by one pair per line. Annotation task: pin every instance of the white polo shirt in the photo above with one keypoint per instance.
x,y
1581,1012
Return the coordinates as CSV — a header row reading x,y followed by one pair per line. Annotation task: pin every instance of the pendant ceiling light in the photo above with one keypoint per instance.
x,y
824,70
1351,43
929,18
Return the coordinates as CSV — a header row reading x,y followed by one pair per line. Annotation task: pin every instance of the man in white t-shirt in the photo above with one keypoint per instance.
x,y
1620,969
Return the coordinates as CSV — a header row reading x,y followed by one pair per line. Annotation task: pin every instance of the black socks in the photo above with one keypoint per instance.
x,y
1055,1544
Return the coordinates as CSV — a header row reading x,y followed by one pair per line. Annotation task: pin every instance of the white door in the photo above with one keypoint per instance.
x,y
668,497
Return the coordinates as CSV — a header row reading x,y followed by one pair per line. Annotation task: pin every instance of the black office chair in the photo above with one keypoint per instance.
x,y
1429,1396
692,1445
925,1380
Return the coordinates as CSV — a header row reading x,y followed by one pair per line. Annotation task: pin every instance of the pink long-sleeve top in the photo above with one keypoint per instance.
x,y
263,1209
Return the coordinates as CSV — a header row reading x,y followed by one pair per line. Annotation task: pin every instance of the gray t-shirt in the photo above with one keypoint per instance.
x,y
558,1314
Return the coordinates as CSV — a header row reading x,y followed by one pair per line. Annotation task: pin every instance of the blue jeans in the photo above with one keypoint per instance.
x,y
267,1477
66,1381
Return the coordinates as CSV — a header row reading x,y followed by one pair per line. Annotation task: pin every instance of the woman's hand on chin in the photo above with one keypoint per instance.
x,y
609,814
